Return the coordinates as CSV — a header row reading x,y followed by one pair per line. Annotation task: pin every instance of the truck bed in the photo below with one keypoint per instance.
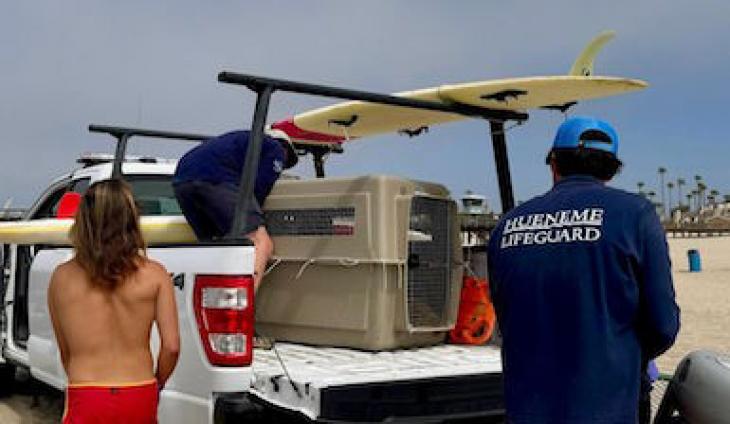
x,y
335,384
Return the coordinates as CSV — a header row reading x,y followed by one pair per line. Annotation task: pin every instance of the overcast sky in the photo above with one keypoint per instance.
x,y
66,64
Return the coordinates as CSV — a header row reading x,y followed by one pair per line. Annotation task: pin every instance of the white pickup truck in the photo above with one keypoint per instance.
x,y
219,376
213,382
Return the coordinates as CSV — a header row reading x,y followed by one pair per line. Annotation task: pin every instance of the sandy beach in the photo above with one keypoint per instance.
x,y
704,298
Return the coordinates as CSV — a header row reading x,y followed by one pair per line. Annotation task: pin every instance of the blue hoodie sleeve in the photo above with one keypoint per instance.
x,y
658,317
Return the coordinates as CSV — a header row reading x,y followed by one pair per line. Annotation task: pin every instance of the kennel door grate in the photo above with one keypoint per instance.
x,y
429,263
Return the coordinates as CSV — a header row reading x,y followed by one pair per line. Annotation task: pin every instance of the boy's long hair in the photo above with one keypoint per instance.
x,y
106,233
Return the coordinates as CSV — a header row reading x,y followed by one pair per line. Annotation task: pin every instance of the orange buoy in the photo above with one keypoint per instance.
x,y
476,319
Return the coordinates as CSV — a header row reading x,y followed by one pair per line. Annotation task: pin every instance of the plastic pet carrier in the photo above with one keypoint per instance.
x,y
371,262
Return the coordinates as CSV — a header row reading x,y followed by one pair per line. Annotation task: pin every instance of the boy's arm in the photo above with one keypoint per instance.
x,y
167,327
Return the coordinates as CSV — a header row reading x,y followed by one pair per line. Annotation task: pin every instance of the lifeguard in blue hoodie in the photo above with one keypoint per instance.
x,y
582,287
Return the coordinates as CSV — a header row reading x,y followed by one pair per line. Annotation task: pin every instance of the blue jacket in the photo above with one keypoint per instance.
x,y
221,159
582,286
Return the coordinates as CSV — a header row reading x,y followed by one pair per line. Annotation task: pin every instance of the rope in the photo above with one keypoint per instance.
x,y
286,371
272,266
303,268
346,262
345,133
349,262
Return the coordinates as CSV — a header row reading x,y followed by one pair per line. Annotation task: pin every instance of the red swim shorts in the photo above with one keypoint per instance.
x,y
111,403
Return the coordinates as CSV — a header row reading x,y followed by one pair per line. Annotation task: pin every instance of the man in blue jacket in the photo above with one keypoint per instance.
x,y
206,186
582,287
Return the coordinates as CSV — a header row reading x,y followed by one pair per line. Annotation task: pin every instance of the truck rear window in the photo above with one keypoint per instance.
x,y
154,194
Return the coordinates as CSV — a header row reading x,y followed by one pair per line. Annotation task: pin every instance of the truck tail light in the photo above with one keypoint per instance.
x,y
224,311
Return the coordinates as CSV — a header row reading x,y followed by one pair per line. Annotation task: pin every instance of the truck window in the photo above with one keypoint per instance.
x,y
49,204
79,186
154,194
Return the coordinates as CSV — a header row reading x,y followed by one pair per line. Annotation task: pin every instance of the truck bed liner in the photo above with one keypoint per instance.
x,y
335,384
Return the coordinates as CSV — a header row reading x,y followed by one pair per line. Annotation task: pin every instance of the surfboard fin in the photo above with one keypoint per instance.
x,y
583,65
504,95
413,133
562,108
344,122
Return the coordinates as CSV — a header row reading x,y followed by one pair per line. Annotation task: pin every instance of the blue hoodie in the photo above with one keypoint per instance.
x,y
221,159
582,286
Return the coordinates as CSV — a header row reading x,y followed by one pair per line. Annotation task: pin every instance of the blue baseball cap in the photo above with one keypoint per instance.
x,y
586,133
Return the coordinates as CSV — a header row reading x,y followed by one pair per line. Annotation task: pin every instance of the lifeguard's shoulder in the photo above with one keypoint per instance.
x,y
525,207
629,200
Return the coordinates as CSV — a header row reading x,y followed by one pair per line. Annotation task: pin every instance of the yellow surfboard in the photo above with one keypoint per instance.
x,y
356,119
155,229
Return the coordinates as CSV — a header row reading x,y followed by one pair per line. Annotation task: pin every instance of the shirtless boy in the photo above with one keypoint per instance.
x,y
103,303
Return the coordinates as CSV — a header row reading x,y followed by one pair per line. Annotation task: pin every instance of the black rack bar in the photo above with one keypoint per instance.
x,y
255,83
318,155
501,161
123,134
251,164
265,87
119,131
318,152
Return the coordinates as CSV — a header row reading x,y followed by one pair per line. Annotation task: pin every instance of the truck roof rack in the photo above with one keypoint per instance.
x,y
91,159
122,134
265,87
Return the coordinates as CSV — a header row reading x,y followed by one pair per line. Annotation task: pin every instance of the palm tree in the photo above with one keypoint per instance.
x,y
670,186
640,185
689,201
701,187
698,180
680,183
662,170
726,198
714,194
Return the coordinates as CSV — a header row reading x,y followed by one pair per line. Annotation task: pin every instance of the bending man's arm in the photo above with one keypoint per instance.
x,y
658,323
167,326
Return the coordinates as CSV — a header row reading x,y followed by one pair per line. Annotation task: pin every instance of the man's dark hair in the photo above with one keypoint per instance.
x,y
593,162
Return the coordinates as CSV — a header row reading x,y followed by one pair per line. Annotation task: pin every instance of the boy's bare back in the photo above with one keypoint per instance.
x,y
104,333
